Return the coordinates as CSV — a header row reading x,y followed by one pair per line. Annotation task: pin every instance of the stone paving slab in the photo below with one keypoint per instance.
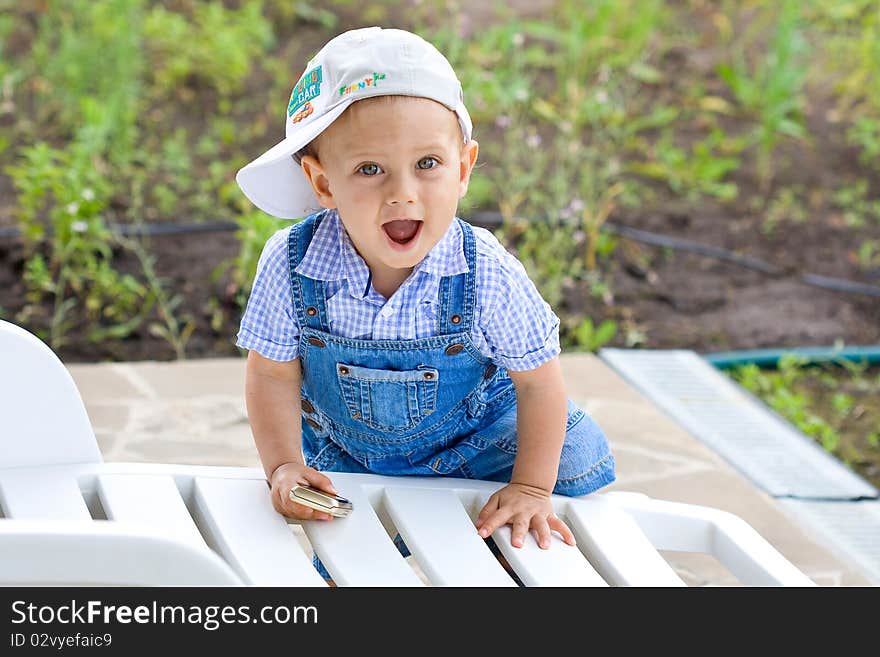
x,y
194,412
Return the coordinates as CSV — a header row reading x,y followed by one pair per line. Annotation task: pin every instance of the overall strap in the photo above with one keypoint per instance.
x,y
308,293
458,292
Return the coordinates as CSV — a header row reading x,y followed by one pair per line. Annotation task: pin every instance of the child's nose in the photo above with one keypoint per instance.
x,y
401,189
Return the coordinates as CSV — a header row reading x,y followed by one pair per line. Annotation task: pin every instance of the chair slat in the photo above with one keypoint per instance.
x,y
615,544
357,550
34,495
152,500
243,527
560,565
440,534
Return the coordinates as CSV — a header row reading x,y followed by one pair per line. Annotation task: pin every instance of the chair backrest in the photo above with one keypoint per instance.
x,y
43,421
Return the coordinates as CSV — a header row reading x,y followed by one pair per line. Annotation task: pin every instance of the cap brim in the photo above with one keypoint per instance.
x,y
275,183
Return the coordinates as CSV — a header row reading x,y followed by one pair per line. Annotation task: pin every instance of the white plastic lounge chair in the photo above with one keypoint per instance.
x,y
69,518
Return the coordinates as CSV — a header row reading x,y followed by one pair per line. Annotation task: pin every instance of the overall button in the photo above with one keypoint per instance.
x,y
455,319
314,424
311,311
317,342
306,406
453,349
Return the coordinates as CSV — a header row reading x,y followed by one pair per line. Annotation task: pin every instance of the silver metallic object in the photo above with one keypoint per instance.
x,y
320,501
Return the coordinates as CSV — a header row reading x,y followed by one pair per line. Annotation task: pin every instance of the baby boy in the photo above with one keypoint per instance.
x,y
385,334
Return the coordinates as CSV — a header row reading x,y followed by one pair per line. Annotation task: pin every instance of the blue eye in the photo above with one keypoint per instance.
x,y
428,159
373,169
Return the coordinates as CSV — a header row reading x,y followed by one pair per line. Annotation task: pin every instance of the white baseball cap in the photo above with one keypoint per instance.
x,y
357,64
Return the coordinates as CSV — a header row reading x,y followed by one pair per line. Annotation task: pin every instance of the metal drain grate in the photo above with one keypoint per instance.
x,y
841,507
853,527
764,447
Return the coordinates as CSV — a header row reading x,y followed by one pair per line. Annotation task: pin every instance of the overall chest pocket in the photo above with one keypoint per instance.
x,y
388,400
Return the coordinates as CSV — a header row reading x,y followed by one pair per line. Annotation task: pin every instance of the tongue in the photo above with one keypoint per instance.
x,y
401,230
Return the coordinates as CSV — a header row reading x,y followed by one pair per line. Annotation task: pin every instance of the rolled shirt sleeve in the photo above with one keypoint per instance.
x,y
269,324
519,326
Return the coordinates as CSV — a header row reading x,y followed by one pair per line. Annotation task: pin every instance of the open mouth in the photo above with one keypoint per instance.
x,y
402,231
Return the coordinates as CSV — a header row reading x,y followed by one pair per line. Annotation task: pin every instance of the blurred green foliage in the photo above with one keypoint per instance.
x,y
128,111
826,401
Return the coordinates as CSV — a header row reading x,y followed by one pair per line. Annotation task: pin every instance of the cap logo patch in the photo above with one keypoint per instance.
x,y
305,112
308,88
367,82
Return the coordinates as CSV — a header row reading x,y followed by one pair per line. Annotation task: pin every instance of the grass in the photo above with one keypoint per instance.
x,y
837,404
152,107
578,114
124,111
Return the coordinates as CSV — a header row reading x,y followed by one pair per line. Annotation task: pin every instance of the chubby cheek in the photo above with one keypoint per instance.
x,y
368,237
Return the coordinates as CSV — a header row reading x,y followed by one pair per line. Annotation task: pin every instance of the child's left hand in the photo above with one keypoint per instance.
x,y
525,507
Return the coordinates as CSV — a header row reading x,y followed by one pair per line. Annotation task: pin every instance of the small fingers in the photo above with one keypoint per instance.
x,y
302,512
542,532
315,479
307,513
318,480
557,525
519,531
290,509
495,520
490,507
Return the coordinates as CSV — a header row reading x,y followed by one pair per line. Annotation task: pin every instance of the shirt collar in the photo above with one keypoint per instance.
x,y
323,258
447,256
331,256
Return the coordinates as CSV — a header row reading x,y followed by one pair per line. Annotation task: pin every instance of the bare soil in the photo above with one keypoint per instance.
x,y
671,299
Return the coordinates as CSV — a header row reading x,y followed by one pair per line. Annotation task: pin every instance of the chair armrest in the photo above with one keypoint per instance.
x,y
104,553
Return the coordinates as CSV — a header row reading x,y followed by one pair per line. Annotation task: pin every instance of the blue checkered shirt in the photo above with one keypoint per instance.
x,y
513,325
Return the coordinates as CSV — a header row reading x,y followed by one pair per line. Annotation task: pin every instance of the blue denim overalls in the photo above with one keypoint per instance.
x,y
429,406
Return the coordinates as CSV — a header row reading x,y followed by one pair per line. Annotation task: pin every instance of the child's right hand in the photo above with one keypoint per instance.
x,y
288,475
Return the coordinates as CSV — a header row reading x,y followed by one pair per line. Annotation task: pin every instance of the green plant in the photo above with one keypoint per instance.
x,y
824,400
254,229
214,44
592,337
548,254
593,41
868,255
89,56
480,192
71,263
87,68
842,403
174,330
864,134
599,57
634,335
787,206
12,73
770,89
848,32
697,173
779,391
858,210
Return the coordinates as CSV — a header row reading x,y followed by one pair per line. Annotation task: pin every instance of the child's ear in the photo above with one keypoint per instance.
x,y
317,177
468,158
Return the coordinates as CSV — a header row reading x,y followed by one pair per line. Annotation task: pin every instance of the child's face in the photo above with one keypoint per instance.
x,y
388,159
